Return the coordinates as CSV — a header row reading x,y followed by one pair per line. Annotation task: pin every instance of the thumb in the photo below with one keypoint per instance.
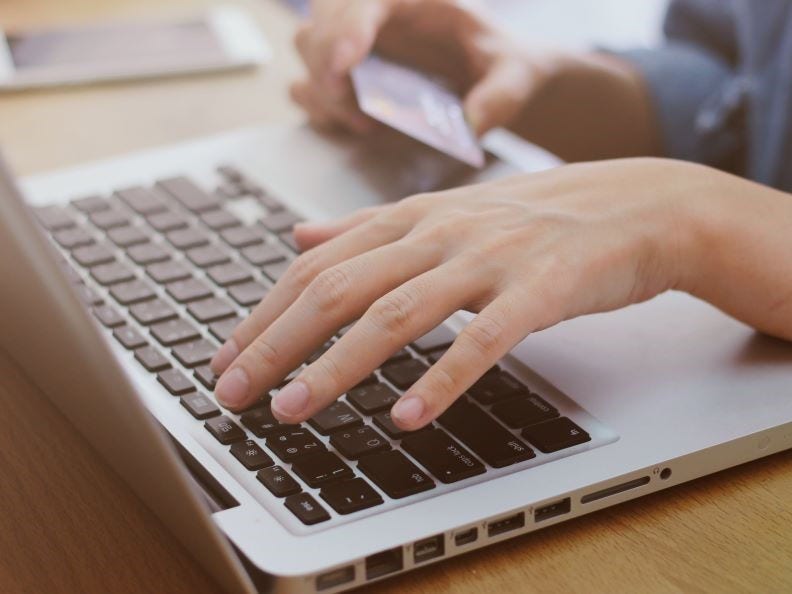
x,y
499,96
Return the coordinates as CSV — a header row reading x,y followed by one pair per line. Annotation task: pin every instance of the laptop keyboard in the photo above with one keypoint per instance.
x,y
170,270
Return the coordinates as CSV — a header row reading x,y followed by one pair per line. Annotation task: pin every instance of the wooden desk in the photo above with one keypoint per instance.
x,y
69,524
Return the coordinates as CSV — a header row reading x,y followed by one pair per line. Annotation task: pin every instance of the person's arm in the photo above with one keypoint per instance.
x,y
525,253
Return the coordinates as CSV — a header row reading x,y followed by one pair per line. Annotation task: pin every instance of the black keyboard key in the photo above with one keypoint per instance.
x,y
168,272
494,386
210,310
54,217
241,237
269,202
276,270
189,195
90,204
290,241
129,337
487,438
524,410
150,358
70,239
440,337
384,421
143,201
148,253
230,190
110,274
392,472
132,292
358,442
109,219
306,508
442,456
335,417
251,455
399,355
278,481
223,330
209,255
404,373
199,406
224,430
229,274
108,316
193,354
320,468
262,422
187,238
175,382
435,356
218,220
293,443
93,255
167,221
206,376
152,312
350,496
556,434
188,290
231,173
280,221
127,236
174,331
248,294
262,254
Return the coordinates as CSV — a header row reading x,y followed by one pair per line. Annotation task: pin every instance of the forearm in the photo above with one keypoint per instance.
x,y
591,106
742,261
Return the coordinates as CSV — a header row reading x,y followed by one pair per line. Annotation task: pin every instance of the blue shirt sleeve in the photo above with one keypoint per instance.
x,y
694,86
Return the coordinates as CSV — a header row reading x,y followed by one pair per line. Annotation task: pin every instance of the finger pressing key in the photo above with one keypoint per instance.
x,y
334,298
393,321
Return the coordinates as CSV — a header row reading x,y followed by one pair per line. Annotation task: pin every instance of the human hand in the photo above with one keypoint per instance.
x,y
525,253
447,37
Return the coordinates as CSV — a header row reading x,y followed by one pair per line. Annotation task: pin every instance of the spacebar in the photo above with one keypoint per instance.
x,y
484,435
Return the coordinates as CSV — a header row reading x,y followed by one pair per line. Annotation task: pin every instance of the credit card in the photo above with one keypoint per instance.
x,y
417,105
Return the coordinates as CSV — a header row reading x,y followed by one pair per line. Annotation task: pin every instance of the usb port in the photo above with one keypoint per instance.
x,y
506,524
384,563
551,510
429,548
334,578
466,537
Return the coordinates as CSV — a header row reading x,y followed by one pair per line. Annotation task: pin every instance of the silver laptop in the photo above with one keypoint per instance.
x,y
120,278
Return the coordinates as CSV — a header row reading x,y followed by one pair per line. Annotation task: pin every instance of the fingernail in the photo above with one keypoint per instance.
x,y
232,388
225,356
409,410
292,399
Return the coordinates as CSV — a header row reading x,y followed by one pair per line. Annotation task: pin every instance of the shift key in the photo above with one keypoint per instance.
x,y
487,438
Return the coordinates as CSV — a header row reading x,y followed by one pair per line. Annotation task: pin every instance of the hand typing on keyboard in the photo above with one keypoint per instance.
x,y
525,253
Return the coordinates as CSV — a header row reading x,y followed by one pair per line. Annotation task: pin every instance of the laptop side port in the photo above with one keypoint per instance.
x,y
383,563
429,548
336,577
507,524
552,510
466,537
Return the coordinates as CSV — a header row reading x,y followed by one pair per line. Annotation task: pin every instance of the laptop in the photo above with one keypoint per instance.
x,y
122,277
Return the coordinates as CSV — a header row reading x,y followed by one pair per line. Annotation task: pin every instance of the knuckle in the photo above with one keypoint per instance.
x,y
264,353
441,382
329,289
393,312
330,371
484,335
304,269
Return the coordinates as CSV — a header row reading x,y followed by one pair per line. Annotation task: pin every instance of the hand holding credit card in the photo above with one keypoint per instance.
x,y
417,105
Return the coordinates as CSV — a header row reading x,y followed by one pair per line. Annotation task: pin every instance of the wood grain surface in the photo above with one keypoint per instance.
x,y
69,524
